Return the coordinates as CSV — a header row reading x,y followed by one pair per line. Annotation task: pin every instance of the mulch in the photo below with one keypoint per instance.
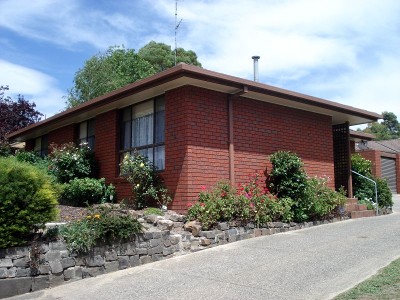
x,y
71,213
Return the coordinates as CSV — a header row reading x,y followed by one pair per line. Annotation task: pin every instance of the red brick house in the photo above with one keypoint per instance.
x,y
200,126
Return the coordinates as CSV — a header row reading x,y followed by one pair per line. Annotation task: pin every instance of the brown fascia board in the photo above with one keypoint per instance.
x,y
361,135
184,70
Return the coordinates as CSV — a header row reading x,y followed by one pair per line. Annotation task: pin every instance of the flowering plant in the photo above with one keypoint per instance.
x,y
147,185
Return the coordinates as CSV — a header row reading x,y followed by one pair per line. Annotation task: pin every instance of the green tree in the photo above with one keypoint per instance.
x,y
106,72
162,57
388,129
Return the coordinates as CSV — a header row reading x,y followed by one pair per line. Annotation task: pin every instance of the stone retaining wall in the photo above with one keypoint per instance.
x,y
48,264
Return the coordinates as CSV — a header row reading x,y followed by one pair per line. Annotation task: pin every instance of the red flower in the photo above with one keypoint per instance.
x,y
189,204
202,204
262,201
203,188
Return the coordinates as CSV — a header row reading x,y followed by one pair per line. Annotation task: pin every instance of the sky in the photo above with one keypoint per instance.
x,y
339,50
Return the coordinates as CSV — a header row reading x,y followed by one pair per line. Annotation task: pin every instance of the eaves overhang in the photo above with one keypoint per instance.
x,y
182,75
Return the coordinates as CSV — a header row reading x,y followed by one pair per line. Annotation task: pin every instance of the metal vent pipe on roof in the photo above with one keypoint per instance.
x,y
255,59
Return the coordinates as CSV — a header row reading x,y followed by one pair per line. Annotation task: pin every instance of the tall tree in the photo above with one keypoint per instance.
x,y
106,72
162,57
15,115
388,129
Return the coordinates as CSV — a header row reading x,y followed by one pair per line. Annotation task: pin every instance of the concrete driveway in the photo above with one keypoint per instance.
x,y
314,263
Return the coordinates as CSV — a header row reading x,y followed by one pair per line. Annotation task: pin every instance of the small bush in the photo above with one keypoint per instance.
x,y
321,200
27,201
87,191
365,189
100,226
384,193
68,162
287,178
147,185
249,203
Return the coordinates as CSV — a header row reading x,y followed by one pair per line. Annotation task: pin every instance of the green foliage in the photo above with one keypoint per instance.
x,y
100,226
106,72
161,57
27,201
388,129
384,193
32,158
87,191
153,211
365,189
250,202
147,185
287,178
321,201
68,162
369,204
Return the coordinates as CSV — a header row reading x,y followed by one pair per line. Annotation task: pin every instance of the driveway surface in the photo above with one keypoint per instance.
x,y
313,263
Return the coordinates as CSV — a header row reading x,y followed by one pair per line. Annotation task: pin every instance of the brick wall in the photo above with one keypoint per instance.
x,y
261,129
375,157
197,139
63,135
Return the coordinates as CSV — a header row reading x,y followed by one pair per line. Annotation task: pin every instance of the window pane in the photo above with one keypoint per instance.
x,y
126,137
38,144
148,152
90,127
160,127
142,124
82,130
159,157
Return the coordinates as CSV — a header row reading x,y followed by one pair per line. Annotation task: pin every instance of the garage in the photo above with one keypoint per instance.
x,y
389,172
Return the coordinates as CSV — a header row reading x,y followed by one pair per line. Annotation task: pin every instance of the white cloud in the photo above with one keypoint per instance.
x,y
33,85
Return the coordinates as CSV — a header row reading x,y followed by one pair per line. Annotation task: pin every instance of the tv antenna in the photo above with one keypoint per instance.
x,y
176,28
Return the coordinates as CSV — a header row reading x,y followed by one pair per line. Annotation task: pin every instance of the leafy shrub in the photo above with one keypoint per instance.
x,y
250,202
320,200
68,162
365,189
100,226
384,193
147,185
27,201
87,191
33,159
368,203
287,178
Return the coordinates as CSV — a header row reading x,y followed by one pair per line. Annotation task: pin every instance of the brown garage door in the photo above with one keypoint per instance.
x,y
389,172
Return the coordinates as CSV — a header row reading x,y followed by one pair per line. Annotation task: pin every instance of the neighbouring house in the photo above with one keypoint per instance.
x,y
385,158
199,127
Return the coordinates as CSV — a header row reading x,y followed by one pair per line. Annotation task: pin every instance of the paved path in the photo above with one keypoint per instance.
x,y
314,263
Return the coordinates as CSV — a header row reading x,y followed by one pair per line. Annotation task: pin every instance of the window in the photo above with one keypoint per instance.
x,y
86,133
143,129
42,145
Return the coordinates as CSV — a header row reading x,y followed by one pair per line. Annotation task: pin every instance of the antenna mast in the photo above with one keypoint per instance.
x,y
176,28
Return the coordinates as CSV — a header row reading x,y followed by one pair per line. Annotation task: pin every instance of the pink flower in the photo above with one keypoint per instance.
x,y
189,204
251,205
202,204
203,188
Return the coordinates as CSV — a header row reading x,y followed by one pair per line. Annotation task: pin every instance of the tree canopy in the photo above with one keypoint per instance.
x,y
117,67
162,57
388,129
106,72
15,115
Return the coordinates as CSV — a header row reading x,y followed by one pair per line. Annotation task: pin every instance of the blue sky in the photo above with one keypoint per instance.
x,y
340,50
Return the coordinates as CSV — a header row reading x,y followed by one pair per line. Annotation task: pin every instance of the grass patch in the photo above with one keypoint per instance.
x,y
383,285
